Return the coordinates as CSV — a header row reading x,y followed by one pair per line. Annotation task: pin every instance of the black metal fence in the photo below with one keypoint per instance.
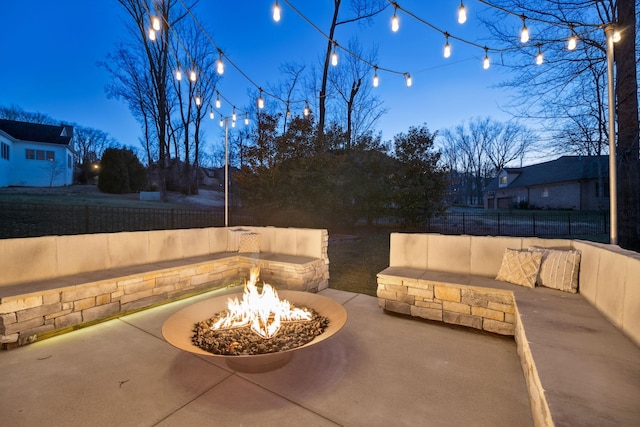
x,y
527,223
32,219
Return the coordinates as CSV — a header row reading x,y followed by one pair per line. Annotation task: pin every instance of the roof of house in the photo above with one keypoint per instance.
x,y
36,132
563,169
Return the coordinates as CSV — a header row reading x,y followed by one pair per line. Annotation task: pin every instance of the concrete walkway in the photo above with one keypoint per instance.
x,y
380,370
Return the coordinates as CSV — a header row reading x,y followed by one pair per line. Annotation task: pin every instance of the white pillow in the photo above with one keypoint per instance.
x,y
559,268
520,267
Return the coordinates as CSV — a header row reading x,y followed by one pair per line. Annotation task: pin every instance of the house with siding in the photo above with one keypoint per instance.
x,y
569,182
35,155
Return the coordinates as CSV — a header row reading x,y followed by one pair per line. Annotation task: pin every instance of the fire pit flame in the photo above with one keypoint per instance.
x,y
263,311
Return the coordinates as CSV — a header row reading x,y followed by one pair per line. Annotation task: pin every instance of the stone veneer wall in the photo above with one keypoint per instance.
x,y
30,311
487,309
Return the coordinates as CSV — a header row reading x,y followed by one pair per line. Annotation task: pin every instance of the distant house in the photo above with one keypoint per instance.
x,y
35,155
570,182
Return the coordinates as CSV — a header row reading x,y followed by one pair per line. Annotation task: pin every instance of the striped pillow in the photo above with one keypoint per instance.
x,y
559,268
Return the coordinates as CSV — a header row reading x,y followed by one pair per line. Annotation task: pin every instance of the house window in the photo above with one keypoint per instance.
x,y
5,151
32,154
545,192
503,180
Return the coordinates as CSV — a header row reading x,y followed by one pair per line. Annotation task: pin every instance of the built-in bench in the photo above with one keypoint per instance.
x,y
57,283
579,352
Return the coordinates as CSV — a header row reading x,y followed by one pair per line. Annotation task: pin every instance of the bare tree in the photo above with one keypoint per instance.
x,y
568,91
362,10
357,110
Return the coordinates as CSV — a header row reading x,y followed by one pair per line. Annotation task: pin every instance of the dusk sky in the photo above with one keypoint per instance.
x,y
50,52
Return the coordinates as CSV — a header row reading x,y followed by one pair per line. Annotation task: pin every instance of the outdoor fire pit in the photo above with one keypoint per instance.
x,y
178,329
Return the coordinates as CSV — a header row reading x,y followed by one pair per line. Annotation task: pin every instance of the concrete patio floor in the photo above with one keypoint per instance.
x,y
380,370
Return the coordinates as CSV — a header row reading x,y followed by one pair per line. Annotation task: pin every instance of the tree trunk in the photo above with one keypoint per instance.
x,y
627,147
325,71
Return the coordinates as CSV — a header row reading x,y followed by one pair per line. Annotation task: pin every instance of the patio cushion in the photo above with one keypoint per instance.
x,y
249,243
520,267
558,269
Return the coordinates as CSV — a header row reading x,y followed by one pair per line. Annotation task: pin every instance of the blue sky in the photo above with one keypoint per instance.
x,y
50,52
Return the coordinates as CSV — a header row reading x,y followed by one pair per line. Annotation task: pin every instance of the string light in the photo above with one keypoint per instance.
x,y
447,46
376,80
192,75
486,63
233,115
152,34
334,55
288,111
616,36
246,119
306,110
198,100
211,115
524,33
221,122
233,123
539,57
395,22
178,73
218,103
408,79
462,14
276,12
572,42
220,65
260,101
155,23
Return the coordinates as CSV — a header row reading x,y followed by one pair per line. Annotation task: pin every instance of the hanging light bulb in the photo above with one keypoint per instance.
x,y
198,100
539,57
220,66
376,80
152,34
246,119
572,42
276,12
306,110
524,33
233,115
334,55
486,63
616,36
178,74
233,123
462,14
408,79
211,115
447,46
193,76
260,101
155,23
221,121
395,22
218,103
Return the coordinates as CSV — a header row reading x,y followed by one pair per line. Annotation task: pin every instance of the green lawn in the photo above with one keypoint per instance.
x,y
354,260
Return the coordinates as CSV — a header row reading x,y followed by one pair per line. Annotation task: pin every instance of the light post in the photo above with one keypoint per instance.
x,y
613,199
226,171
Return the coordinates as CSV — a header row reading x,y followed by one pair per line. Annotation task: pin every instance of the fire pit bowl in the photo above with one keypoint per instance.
x,y
177,330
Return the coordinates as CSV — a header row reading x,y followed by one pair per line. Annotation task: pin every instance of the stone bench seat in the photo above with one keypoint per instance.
x,y
37,308
580,367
